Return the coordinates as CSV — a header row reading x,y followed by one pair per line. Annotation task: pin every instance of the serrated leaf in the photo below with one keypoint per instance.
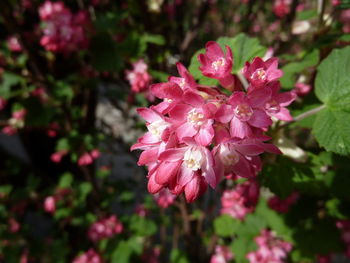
x,y
332,130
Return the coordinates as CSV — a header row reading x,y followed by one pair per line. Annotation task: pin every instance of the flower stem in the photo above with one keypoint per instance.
x,y
305,115
243,80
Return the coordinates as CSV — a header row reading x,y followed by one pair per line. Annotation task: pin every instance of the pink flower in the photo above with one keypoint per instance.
x,y
260,72
222,255
141,210
63,31
14,226
57,156
215,64
194,118
240,201
85,159
186,81
95,153
233,156
164,198
302,89
282,205
270,249
105,228
16,122
276,106
139,78
13,44
281,7
91,256
50,204
192,165
245,112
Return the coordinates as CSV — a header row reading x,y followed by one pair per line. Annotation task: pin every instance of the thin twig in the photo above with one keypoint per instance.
x,y
304,115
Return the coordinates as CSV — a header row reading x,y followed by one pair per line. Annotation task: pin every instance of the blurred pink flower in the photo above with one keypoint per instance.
x,y
91,256
13,44
105,228
50,204
57,156
282,205
14,226
138,77
222,255
164,198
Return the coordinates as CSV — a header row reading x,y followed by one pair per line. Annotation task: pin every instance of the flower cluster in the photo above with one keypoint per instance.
x,y
62,30
138,77
91,256
241,200
15,122
344,226
88,158
197,134
105,228
222,255
282,205
270,249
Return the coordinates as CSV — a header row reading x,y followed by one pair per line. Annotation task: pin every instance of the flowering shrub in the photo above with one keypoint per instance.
x,y
236,114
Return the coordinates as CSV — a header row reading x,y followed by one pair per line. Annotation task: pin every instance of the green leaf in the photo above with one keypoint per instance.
x,y
177,256
307,14
244,49
65,180
8,80
290,70
332,130
225,225
122,253
142,226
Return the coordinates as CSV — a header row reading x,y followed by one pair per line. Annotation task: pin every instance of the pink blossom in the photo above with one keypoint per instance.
x,y
270,249
85,159
245,112
13,44
345,19
164,198
105,228
276,106
215,64
222,255
138,77
91,256
16,122
233,156
240,201
282,205
141,210
302,89
95,153
194,118
14,226
281,7
50,204
260,72
186,80
56,157
52,130
62,30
